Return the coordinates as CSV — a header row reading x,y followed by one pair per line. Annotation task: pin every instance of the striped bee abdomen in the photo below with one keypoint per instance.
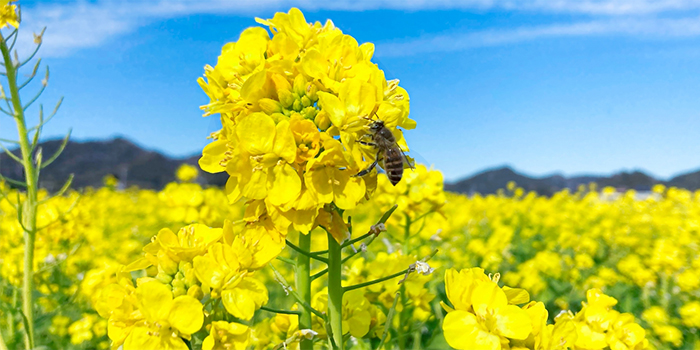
x,y
393,164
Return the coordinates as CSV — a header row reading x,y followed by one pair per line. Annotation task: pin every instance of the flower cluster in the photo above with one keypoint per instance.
x,y
294,107
486,316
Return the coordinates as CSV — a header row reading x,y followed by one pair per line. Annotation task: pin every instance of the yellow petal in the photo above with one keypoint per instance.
x,y
139,264
285,146
359,323
186,314
243,300
516,295
140,338
167,238
367,51
286,185
513,322
314,64
238,305
256,133
332,105
489,296
256,87
359,97
256,188
154,300
318,181
347,190
233,189
212,155
462,331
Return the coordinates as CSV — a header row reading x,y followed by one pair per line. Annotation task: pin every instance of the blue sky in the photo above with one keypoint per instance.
x,y
571,86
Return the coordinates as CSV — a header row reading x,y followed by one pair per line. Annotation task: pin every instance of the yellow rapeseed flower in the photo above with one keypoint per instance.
x,y
165,320
220,270
293,107
482,317
8,14
186,173
225,335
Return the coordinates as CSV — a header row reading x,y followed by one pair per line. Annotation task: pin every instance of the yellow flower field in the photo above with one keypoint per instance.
x,y
311,246
552,253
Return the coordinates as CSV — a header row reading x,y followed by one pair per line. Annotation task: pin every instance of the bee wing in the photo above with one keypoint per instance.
x,y
407,160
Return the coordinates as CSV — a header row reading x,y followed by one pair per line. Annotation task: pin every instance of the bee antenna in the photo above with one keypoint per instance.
x,y
373,113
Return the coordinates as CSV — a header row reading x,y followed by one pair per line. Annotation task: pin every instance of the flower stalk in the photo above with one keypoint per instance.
x,y
303,283
28,209
335,293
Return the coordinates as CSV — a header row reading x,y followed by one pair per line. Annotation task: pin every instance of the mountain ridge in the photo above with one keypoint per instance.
x,y
92,160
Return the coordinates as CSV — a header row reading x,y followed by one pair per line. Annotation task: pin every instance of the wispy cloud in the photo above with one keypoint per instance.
x,y
80,24
644,27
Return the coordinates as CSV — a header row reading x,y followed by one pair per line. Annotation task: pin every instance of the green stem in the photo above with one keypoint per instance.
x,y
324,271
335,292
10,315
401,334
3,345
417,339
303,283
30,205
378,280
277,311
289,290
407,234
382,220
306,252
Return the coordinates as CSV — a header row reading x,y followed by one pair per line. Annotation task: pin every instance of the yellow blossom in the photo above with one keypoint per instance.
x,y
165,320
225,335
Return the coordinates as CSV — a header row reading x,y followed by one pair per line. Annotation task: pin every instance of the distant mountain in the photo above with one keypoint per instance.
x,y
91,161
492,180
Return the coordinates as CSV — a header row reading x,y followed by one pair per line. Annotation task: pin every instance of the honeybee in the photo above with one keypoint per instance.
x,y
385,143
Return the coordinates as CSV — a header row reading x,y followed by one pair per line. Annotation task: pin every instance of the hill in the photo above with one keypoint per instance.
x,y
91,161
491,180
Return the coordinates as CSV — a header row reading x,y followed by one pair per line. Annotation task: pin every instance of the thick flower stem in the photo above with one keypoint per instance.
x,y
303,283
403,314
335,292
28,208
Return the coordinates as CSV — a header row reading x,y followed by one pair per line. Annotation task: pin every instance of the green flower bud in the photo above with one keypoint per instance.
x,y
310,113
299,85
286,98
278,117
195,292
166,264
270,106
178,291
297,106
311,90
322,120
164,278
305,101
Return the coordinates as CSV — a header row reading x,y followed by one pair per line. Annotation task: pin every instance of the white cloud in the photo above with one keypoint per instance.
x,y
80,24
644,27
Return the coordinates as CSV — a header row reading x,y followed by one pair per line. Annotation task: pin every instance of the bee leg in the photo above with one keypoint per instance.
x,y
368,170
367,143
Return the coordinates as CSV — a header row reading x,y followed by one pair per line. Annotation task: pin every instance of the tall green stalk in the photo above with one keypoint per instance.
x,y
303,283
29,206
335,292
403,315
